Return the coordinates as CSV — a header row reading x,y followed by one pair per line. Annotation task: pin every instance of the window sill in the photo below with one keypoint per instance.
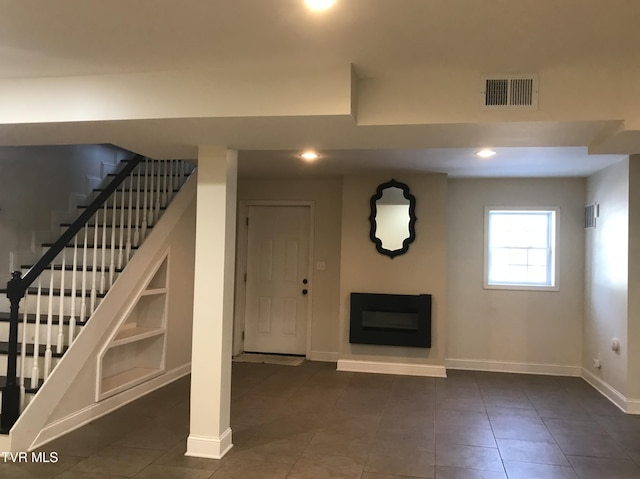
x,y
521,287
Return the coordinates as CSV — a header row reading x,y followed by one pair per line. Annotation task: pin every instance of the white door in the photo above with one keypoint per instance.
x,y
277,279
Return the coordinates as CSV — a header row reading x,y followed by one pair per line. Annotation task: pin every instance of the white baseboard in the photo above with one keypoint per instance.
x,y
327,356
209,447
608,391
90,413
402,369
512,367
633,406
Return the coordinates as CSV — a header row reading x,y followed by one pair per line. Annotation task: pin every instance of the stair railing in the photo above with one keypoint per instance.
x,y
17,288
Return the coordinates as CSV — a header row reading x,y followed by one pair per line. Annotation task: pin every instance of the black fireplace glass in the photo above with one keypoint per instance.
x,y
390,319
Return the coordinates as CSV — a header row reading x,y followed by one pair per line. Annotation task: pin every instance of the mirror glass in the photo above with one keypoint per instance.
x,y
392,218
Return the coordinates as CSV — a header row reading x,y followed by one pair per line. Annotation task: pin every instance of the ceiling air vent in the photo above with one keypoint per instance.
x,y
591,213
510,92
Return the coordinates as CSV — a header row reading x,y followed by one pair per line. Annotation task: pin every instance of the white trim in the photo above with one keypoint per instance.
x,y
90,413
604,388
513,367
554,248
403,369
326,356
209,447
633,406
241,269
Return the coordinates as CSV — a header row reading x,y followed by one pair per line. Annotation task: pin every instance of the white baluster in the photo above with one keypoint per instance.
x,y
35,371
143,228
94,268
150,215
121,239
72,318
83,291
171,175
158,178
103,263
164,185
181,165
23,354
47,351
136,236
112,264
60,341
129,215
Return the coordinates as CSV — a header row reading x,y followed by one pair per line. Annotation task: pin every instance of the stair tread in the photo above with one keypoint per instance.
x,y
84,207
4,349
80,245
67,292
3,381
31,319
66,225
135,190
69,267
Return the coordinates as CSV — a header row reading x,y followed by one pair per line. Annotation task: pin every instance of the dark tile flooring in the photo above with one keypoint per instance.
x,y
312,422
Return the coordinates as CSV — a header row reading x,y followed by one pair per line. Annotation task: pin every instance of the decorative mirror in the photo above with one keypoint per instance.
x,y
393,218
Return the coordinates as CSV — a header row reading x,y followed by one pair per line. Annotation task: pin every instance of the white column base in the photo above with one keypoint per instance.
x,y
209,447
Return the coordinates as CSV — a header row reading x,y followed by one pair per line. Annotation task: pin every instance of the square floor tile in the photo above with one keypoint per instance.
x,y
601,468
530,451
524,470
118,461
470,457
402,461
334,467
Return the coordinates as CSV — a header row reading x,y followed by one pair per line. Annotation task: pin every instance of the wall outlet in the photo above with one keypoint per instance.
x,y
615,345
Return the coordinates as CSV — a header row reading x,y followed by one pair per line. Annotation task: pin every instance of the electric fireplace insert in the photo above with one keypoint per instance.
x,y
391,319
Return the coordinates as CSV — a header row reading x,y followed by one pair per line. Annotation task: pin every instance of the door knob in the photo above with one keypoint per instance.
x,y
304,291
305,281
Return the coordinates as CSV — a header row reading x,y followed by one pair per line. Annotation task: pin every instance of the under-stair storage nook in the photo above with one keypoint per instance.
x,y
135,352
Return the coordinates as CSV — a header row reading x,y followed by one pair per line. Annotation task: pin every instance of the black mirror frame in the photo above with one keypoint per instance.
x,y
412,218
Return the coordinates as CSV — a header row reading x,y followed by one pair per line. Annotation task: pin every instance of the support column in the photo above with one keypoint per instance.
x,y
210,431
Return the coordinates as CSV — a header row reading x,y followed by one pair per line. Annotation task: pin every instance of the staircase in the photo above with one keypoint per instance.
x,y
58,294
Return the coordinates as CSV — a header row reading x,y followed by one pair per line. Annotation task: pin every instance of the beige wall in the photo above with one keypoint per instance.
x,y
533,327
49,177
633,325
606,276
421,270
327,197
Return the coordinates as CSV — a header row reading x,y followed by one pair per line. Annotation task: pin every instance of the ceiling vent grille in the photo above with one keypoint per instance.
x,y
591,213
510,92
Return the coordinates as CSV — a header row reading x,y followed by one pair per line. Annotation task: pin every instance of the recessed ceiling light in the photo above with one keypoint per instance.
x,y
486,153
309,155
319,5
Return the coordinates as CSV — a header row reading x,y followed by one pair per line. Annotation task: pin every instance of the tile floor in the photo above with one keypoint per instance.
x,y
312,422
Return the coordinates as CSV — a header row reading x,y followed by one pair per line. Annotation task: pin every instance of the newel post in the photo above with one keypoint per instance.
x,y
11,390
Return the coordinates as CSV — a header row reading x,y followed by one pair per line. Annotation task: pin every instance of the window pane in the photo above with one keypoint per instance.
x,y
537,274
520,247
538,257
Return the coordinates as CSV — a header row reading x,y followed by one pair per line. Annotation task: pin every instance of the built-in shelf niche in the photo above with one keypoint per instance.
x,y
135,352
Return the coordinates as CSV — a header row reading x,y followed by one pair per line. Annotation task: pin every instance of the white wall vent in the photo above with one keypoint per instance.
x,y
510,92
591,213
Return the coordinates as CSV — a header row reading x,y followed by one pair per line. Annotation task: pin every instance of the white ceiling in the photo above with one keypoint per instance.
x,y
456,162
379,37
80,37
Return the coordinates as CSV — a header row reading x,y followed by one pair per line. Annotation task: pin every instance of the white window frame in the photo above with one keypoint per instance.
x,y
555,274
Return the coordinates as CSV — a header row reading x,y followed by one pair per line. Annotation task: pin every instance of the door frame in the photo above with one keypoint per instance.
x,y
241,268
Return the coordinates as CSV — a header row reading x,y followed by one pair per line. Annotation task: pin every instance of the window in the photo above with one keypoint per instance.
x,y
520,248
